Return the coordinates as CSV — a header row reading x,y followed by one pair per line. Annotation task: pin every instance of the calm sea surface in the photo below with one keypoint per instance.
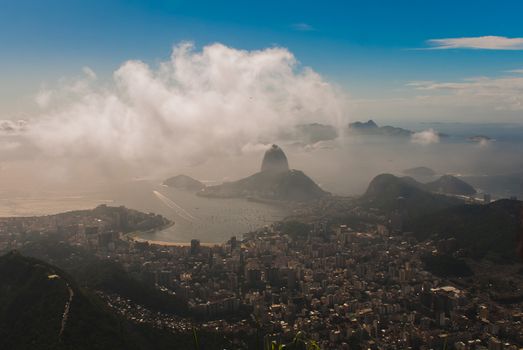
x,y
210,220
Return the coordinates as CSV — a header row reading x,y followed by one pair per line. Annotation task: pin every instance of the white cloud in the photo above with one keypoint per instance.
x,y
43,98
251,148
484,142
501,93
473,99
198,104
302,27
12,127
489,42
425,137
89,73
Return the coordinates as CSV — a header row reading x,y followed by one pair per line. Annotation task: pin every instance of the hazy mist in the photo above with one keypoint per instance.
x,y
211,113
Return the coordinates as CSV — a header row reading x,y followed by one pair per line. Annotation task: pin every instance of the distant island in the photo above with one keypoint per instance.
x,y
184,182
275,181
315,132
371,128
482,139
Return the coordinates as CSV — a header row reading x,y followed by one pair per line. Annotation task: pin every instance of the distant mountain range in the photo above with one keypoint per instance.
x,y
371,128
315,132
311,133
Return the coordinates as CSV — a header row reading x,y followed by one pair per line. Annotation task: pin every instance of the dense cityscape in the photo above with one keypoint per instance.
x,y
334,285
261,175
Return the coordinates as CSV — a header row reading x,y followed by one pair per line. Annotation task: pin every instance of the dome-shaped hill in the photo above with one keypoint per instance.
x,y
274,160
275,181
450,185
292,185
388,192
184,182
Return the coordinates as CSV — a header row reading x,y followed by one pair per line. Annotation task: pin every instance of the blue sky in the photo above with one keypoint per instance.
x,y
371,48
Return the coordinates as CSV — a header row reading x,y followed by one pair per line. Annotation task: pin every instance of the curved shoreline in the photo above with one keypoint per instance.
x,y
171,244
133,236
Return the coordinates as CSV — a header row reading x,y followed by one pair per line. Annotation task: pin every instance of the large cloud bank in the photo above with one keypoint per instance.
x,y
196,105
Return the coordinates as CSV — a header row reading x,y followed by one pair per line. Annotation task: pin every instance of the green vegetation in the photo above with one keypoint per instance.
x,y
103,275
111,277
486,231
405,195
32,303
446,266
33,296
295,229
483,231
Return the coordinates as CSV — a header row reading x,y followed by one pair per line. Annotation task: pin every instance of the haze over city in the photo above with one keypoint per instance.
x,y
260,175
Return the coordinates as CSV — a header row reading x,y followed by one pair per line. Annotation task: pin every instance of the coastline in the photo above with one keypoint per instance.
x,y
170,244
133,236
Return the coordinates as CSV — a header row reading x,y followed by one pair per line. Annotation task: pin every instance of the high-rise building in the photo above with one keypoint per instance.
x,y
195,246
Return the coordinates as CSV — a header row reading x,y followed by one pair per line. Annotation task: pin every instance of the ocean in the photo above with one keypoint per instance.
x,y
207,219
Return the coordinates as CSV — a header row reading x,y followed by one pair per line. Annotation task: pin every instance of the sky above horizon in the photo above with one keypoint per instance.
x,y
395,61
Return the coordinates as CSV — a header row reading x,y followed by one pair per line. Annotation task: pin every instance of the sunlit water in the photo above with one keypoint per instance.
x,y
210,220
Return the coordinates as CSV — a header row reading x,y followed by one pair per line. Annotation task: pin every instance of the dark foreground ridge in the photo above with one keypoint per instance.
x,y
41,305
